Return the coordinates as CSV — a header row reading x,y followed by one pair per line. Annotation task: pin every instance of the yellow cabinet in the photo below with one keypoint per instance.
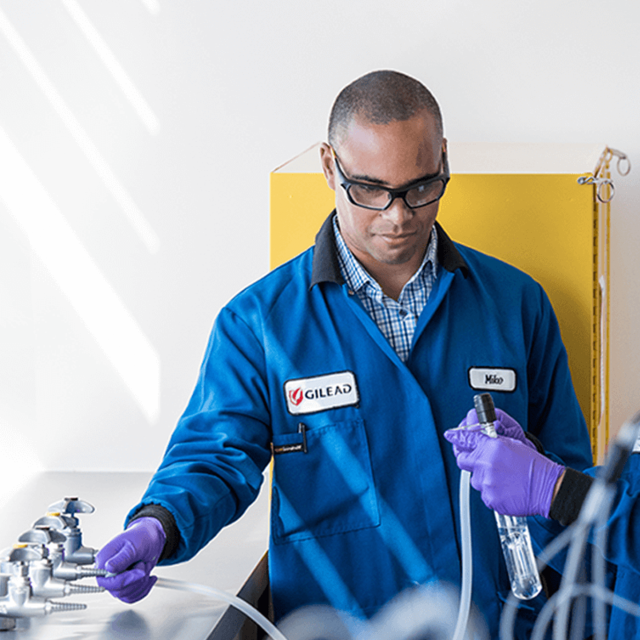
x,y
535,206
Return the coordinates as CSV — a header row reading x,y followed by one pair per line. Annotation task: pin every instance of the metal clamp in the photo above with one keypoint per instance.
x,y
623,165
623,161
605,189
601,184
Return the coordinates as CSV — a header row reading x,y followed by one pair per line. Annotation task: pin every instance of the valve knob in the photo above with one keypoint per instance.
x,y
72,505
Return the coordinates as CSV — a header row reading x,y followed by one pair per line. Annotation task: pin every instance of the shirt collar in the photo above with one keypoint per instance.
x,y
326,266
357,277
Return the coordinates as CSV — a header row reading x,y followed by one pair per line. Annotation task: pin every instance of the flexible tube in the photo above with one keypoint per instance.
x,y
467,565
266,625
598,563
598,499
234,601
559,605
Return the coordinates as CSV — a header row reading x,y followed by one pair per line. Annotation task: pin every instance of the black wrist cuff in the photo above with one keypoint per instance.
x,y
168,523
567,504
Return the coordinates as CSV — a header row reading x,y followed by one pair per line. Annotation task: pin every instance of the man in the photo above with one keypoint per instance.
x,y
346,365
514,478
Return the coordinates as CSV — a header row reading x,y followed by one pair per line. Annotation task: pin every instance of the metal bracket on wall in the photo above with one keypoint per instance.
x,y
605,189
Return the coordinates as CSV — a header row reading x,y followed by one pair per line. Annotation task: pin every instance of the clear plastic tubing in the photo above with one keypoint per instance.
x,y
513,531
467,564
234,601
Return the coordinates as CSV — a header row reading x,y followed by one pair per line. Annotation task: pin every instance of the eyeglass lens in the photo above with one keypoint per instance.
x,y
419,196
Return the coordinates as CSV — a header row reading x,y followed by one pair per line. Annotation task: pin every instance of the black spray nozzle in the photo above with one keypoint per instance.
x,y
486,410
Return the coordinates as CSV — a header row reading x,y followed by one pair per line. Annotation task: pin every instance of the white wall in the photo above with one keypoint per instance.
x,y
130,213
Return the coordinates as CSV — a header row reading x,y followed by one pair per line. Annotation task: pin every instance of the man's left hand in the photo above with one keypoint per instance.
x,y
513,479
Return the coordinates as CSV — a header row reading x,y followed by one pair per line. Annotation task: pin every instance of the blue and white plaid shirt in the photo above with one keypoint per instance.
x,y
396,319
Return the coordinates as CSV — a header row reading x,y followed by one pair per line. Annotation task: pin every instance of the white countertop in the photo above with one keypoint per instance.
x,y
164,614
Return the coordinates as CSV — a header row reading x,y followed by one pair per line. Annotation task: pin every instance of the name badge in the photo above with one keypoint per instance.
x,y
320,393
492,379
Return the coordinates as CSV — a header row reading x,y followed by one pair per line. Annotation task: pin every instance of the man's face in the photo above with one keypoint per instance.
x,y
392,155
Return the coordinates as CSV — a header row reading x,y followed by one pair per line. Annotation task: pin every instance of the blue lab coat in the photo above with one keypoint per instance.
x,y
623,542
623,547
365,487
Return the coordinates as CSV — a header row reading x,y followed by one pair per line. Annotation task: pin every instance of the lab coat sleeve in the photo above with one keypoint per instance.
x,y
555,417
623,544
212,468
623,537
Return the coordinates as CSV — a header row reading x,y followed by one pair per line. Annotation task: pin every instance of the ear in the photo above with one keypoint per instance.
x,y
326,160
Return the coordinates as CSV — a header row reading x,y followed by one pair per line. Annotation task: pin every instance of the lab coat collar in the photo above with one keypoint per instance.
x,y
325,257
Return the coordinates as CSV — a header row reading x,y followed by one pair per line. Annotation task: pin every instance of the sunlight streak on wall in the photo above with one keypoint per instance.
x,y
55,243
153,6
135,217
130,91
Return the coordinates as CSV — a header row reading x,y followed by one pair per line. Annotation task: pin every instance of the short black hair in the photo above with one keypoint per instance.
x,y
381,97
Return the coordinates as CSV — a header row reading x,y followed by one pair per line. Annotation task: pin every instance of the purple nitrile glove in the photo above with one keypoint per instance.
x,y
512,479
505,426
132,555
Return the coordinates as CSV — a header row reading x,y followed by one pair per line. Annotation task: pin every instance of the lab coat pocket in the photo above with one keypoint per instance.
x,y
327,490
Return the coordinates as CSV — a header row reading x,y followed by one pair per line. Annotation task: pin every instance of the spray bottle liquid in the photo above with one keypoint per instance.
x,y
513,531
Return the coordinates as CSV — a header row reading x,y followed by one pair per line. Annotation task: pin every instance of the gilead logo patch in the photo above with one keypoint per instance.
x,y
492,379
309,395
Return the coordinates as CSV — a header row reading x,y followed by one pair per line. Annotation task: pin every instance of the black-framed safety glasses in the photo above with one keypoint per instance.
x,y
372,196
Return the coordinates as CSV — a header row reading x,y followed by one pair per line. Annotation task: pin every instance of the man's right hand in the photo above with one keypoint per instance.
x,y
131,556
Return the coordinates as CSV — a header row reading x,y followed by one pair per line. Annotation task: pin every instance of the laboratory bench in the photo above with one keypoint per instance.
x,y
235,562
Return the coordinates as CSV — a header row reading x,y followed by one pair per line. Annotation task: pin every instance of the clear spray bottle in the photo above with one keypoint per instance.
x,y
513,531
